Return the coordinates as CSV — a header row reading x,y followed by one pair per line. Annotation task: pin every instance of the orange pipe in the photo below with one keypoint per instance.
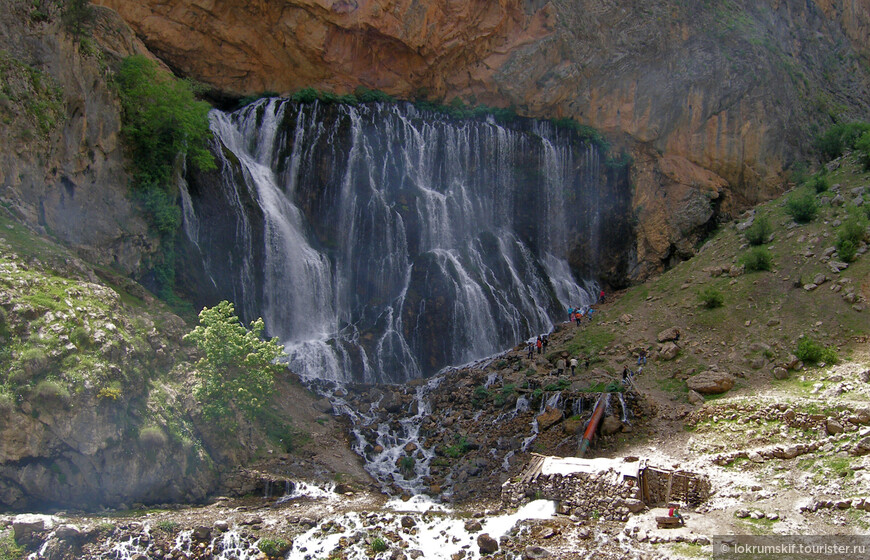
x,y
589,434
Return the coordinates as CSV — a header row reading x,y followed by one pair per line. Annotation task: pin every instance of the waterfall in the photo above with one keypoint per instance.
x,y
381,243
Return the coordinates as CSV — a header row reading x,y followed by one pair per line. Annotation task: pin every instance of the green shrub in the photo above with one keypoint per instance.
x,y
819,182
78,17
152,438
365,95
840,138
710,297
458,449
811,352
34,360
9,549
862,146
378,544
4,324
480,395
52,392
79,337
757,259
850,235
407,463
238,368
759,231
167,525
801,206
274,547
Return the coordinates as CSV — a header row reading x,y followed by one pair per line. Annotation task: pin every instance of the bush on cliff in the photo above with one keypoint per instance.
x,y
162,122
237,370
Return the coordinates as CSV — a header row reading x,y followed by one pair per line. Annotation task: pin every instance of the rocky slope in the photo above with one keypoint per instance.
x,y
715,101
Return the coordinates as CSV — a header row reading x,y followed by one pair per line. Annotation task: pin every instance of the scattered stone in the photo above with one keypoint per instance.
x,y
408,522
862,447
736,270
625,318
222,525
487,544
819,279
757,514
741,513
695,398
780,373
473,526
535,552
756,457
202,533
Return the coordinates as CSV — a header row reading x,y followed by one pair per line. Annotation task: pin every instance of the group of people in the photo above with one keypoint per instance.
x,y
576,314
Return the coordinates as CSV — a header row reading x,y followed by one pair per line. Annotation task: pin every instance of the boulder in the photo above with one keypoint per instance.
x,y
668,334
548,418
668,351
408,522
202,533
610,425
711,382
24,525
862,447
473,526
780,373
833,427
68,532
695,398
487,544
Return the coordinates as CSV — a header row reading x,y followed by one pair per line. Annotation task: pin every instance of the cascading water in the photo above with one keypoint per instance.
x,y
381,243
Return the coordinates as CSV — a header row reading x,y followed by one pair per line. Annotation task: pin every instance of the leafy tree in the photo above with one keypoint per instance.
x,y
237,370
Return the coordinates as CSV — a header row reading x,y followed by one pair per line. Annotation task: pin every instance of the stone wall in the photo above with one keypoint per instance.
x,y
606,494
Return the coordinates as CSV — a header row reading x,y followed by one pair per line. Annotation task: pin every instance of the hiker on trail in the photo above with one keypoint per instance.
x,y
546,341
573,365
578,316
675,512
641,357
601,297
586,363
560,365
531,349
677,337
570,313
539,344
625,375
639,370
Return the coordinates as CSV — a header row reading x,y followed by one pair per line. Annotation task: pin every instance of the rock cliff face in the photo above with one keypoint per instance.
x,y
715,100
61,162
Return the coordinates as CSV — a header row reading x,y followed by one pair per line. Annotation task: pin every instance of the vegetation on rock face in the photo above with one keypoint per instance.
x,y
238,367
163,122
28,94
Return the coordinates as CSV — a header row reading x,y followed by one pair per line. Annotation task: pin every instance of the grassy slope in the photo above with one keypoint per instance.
x,y
761,309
